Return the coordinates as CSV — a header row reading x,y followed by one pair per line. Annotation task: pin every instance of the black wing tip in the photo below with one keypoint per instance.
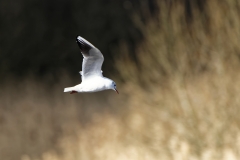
x,y
84,47
80,45
81,40
77,37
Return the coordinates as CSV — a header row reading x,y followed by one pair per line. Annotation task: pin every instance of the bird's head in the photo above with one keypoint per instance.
x,y
114,87
110,84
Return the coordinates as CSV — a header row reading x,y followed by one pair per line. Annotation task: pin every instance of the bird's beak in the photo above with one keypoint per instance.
x,y
116,91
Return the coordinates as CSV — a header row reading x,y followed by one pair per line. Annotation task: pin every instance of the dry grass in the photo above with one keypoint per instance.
x,y
182,103
187,119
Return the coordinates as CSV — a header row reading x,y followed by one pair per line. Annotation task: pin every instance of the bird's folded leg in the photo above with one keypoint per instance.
x,y
72,92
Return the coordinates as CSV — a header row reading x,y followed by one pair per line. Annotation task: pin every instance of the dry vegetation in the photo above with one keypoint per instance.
x,y
182,103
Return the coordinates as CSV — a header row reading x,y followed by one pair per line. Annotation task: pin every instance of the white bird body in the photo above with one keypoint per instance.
x,y
92,78
91,85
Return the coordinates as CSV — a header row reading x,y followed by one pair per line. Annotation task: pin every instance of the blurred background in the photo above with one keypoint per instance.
x,y
176,64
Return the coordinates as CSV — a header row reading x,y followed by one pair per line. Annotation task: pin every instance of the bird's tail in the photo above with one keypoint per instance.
x,y
70,89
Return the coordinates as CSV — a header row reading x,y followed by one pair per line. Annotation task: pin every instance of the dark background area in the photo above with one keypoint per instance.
x,y
38,37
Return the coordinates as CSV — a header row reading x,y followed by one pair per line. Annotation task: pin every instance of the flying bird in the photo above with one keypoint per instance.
x,y
92,78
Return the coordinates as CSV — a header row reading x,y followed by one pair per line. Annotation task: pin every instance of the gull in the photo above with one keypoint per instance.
x,y
92,78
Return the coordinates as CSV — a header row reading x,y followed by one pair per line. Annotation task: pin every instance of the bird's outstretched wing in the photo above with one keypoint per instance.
x,y
92,59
